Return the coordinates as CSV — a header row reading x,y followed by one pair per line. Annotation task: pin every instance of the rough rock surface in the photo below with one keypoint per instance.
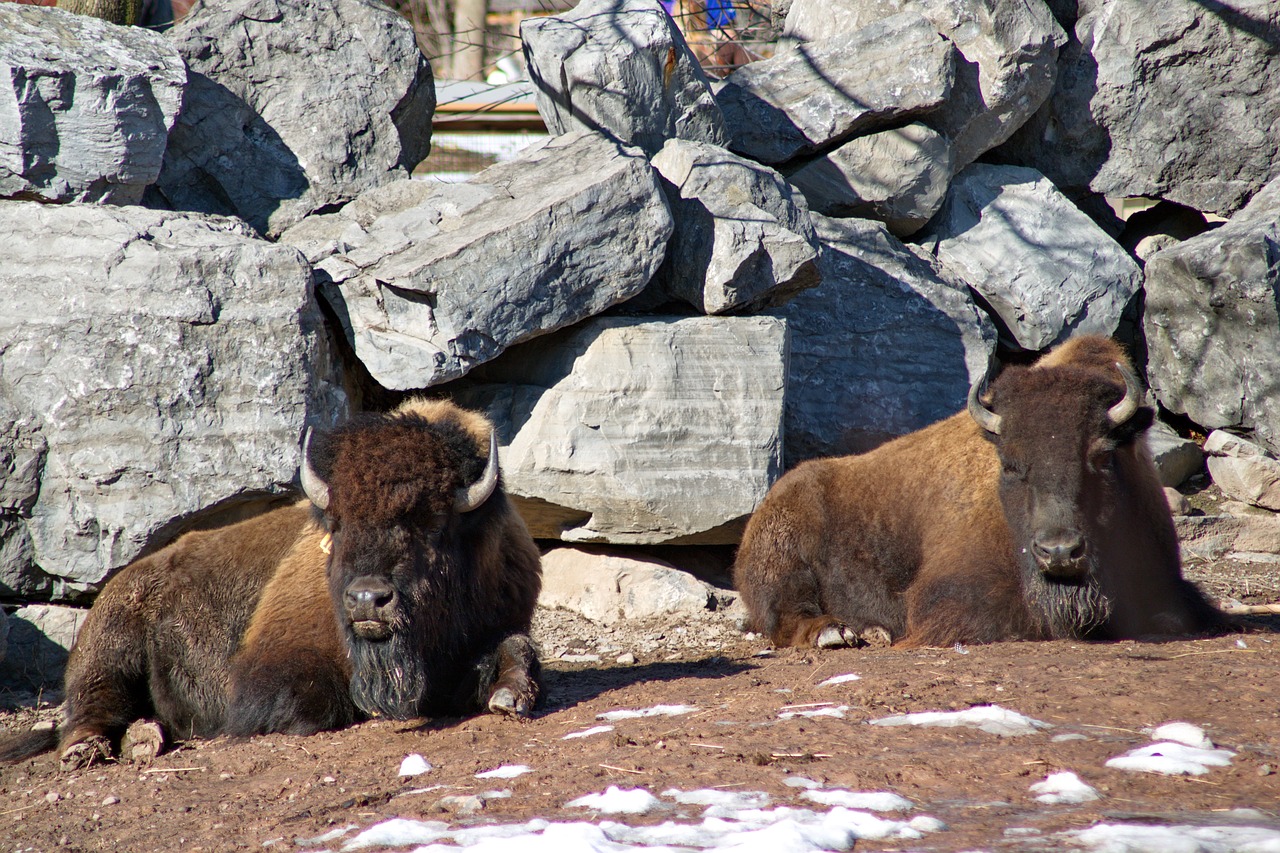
x,y
622,68
39,637
1173,100
1007,66
1176,458
1212,325
1243,470
1043,266
742,237
158,366
829,90
294,106
883,346
897,176
640,430
607,588
428,280
85,106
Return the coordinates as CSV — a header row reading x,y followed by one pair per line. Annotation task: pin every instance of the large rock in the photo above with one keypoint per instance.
x,y
897,176
608,588
883,346
1212,325
429,280
85,106
620,67
40,637
156,366
838,87
1045,269
1243,470
742,235
1170,100
294,106
640,430
1008,63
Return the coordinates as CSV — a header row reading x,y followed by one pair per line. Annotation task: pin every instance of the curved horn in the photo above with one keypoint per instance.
x,y
480,491
1126,408
316,490
986,418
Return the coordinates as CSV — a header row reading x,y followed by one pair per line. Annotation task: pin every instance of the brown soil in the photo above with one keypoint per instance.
x,y
223,795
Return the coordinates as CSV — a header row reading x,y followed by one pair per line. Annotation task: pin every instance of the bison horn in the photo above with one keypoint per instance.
x,y
478,492
986,418
1126,408
316,490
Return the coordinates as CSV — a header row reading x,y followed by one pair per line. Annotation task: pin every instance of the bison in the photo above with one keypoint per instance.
x,y
404,586
1038,514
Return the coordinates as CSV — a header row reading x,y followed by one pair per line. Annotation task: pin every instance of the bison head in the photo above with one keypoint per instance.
x,y
1066,437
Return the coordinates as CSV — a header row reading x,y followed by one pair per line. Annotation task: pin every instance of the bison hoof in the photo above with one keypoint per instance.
x,y
142,742
94,749
876,637
836,637
505,701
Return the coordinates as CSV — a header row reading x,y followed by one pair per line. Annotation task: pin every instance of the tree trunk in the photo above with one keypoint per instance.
x,y
468,33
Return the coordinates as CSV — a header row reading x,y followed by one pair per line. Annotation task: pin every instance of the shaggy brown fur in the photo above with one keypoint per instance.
x,y
251,628
931,539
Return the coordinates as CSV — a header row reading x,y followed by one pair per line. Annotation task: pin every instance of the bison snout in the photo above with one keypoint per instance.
x,y
1060,553
370,602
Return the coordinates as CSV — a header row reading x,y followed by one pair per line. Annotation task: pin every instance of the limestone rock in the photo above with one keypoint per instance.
x,y
1006,68
294,106
156,367
1176,458
639,430
607,588
622,68
40,636
897,176
429,280
1046,270
1243,470
742,235
883,346
85,106
1171,100
838,87
1212,326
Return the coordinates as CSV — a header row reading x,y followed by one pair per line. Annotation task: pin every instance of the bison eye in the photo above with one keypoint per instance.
x,y
1014,468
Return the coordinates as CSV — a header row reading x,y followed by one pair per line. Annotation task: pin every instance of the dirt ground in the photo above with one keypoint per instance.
x,y
275,790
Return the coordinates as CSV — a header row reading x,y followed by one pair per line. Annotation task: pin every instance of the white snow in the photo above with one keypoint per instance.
x,y
399,832
1184,733
876,801
989,718
594,730
836,711
840,679
1064,787
414,765
506,771
729,800
1112,838
617,800
1172,759
655,711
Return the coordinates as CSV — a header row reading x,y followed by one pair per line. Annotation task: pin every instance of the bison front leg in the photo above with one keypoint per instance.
x,y
507,680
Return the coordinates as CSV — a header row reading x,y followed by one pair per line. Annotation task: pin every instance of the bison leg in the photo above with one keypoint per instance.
x,y
294,691
507,680
143,741
86,751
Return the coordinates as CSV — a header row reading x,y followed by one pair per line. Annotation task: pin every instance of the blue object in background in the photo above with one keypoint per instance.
x,y
720,14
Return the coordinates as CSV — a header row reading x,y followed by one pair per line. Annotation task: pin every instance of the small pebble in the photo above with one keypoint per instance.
x,y
52,797
1265,770
627,659
110,801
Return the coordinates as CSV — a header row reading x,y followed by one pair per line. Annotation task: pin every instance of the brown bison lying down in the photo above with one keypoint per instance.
x,y
1037,515
403,587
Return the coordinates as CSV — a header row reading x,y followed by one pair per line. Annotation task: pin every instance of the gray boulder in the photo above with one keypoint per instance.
x,y
883,346
429,280
40,637
1177,458
1243,470
742,235
827,91
608,588
897,176
1172,100
85,106
639,430
1212,326
294,106
622,68
155,370
1045,269
1007,66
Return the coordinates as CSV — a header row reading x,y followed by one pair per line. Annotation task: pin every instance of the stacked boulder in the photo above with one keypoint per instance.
x,y
687,289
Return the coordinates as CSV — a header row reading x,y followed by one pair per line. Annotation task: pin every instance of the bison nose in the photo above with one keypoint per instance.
x,y
1059,549
366,597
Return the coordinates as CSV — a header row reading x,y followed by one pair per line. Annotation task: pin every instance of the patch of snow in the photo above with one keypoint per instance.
x,y
506,771
836,711
1172,759
399,832
655,711
735,800
1062,788
800,782
988,718
840,679
414,765
594,730
1067,737
615,800
876,801
1122,838
1184,733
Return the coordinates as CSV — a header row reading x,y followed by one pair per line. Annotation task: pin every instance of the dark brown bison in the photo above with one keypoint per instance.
x,y
403,587
1036,515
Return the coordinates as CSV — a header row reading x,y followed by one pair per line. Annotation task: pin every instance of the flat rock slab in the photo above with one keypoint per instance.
x,y
429,280
85,106
640,430
607,588
1243,470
